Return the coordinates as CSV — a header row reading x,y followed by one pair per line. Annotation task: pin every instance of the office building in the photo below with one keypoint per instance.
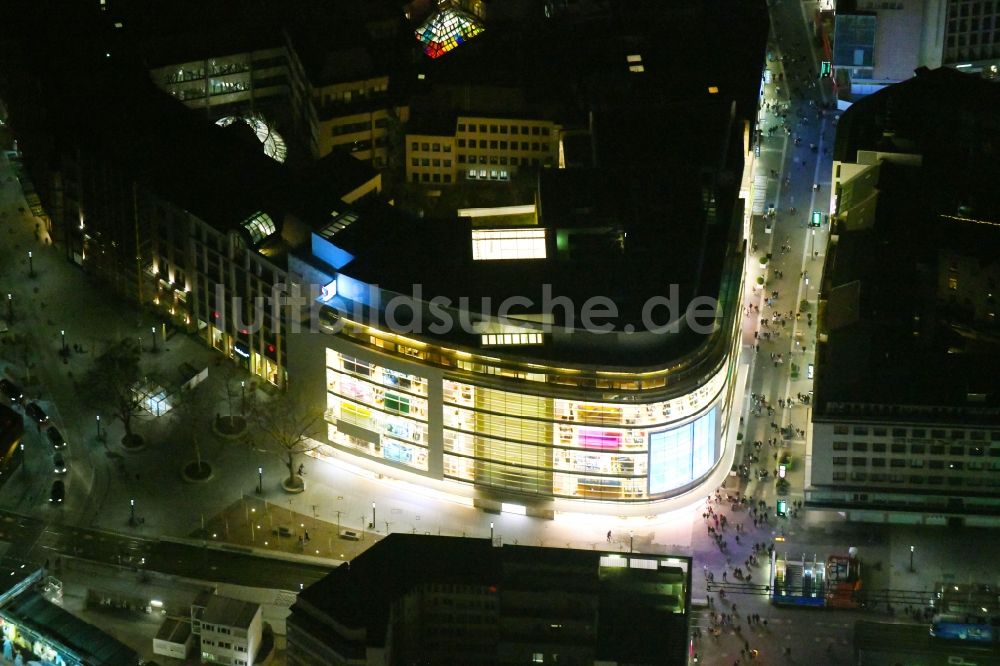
x,y
906,417
229,60
229,630
463,601
350,64
478,148
876,43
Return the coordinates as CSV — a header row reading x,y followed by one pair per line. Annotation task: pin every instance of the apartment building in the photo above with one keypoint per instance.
x,y
229,629
906,422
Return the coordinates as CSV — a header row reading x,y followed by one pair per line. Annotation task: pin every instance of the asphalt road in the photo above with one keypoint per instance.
x,y
34,540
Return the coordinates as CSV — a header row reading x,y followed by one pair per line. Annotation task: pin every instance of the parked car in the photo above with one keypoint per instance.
x,y
36,413
11,390
58,464
58,493
56,438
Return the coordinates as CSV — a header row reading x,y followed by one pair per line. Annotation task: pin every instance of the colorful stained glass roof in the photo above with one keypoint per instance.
x,y
445,30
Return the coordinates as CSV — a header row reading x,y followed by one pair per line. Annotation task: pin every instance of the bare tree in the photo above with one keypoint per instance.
x,y
289,424
193,411
112,380
232,389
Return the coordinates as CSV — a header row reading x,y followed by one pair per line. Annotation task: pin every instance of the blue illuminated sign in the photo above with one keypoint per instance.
x,y
678,456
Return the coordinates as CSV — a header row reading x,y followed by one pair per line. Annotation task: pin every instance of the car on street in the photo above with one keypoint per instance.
x,y
58,492
11,390
58,464
56,438
36,413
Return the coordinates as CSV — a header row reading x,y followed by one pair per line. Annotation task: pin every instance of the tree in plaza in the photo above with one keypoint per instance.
x,y
193,413
288,425
231,383
111,382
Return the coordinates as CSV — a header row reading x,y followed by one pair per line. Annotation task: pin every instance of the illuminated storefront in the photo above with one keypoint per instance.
x,y
545,415
443,425
377,411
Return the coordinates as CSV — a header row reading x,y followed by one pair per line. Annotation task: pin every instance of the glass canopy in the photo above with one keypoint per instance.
x,y
445,30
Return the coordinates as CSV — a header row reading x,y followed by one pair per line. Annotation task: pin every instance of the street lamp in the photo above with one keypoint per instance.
x,y
154,337
10,306
912,548
98,427
243,397
491,532
31,265
131,512
631,536
260,480
372,526
63,334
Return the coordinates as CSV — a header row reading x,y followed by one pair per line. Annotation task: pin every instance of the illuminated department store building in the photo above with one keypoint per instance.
x,y
513,413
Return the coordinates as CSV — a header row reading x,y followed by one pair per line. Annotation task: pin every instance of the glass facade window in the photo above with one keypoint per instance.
x,y
501,437
490,244
572,448
677,456
377,410
501,339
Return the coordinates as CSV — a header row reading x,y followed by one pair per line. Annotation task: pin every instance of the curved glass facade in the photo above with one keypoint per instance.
x,y
526,429
508,440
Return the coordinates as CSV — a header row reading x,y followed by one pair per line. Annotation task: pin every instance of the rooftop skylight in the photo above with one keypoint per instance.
x,y
446,30
260,226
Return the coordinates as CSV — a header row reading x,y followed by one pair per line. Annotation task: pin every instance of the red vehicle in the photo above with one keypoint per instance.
x,y
843,581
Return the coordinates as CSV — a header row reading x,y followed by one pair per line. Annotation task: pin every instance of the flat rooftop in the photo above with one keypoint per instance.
x,y
632,601
894,339
636,229
229,612
684,48
625,234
